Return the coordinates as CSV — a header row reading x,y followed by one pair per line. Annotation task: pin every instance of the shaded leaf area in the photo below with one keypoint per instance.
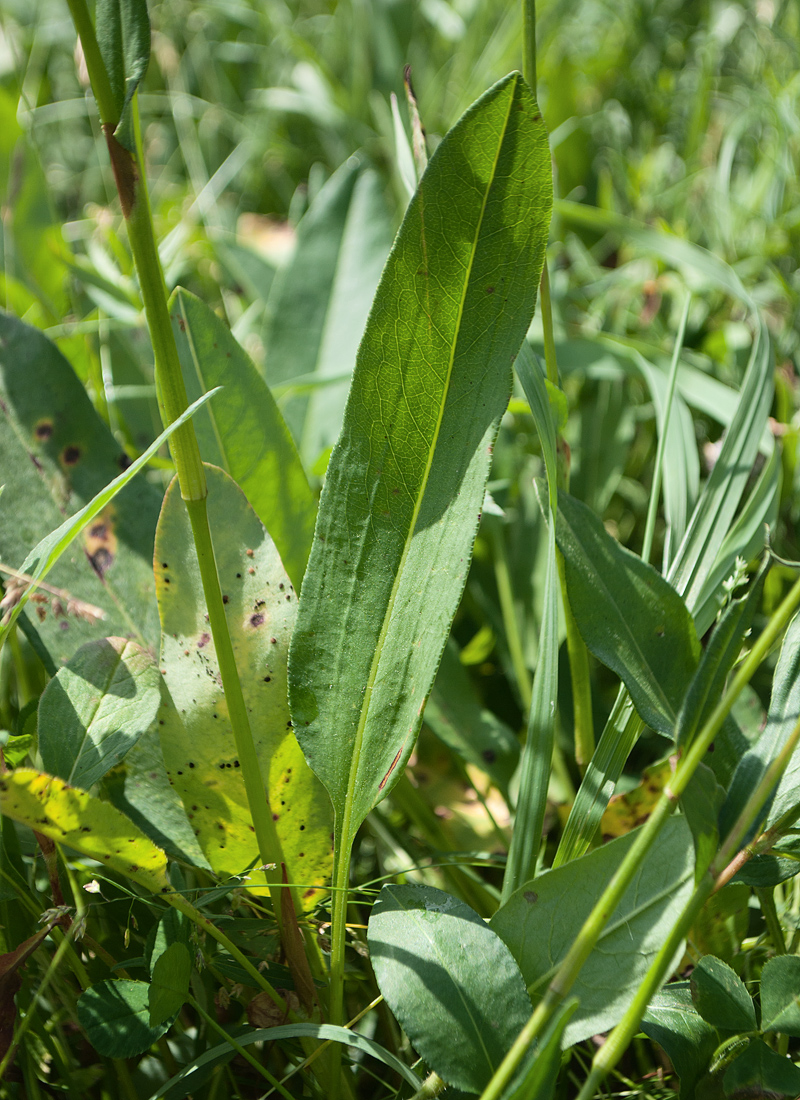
x,y
782,716
540,921
721,997
77,819
196,735
450,981
115,1015
455,715
780,995
56,454
96,708
243,430
674,1023
11,983
539,1071
760,1071
169,985
319,303
408,474
630,617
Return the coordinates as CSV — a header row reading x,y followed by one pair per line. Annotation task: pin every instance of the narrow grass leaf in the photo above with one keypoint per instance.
x,y
243,430
96,708
450,981
540,921
405,484
629,616
187,1080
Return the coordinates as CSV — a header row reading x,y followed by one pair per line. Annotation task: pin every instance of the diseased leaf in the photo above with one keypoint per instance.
x,y
56,454
629,616
75,818
405,483
540,921
196,735
449,980
96,708
243,430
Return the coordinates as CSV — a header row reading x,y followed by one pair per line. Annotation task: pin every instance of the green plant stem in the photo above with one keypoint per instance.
x,y
652,507
766,898
508,611
546,308
529,43
339,897
243,1052
578,655
101,85
604,908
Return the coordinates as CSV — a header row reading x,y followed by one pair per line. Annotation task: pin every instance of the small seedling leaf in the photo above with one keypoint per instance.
x,y
450,981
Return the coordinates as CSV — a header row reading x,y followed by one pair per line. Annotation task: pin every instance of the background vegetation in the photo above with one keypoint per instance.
x,y
279,171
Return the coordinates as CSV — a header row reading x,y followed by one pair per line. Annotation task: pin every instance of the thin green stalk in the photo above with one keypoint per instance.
x,y
592,929
583,721
529,42
134,198
508,611
766,898
652,508
431,1086
242,1051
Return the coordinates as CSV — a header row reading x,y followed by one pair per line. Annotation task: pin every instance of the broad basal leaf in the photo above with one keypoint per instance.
x,y
721,997
405,483
116,1018
196,735
540,921
450,981
96,708
77,819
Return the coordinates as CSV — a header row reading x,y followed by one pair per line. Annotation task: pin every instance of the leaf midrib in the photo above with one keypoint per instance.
x,y
364,713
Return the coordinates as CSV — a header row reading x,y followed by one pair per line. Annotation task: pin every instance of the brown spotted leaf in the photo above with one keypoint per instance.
x,y
196,735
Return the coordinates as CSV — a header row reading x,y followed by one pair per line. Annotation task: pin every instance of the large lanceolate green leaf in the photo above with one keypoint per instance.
x,y
630,617
196,735
406,481
79,820
320,302
452,982
56,454
540,921
244,432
